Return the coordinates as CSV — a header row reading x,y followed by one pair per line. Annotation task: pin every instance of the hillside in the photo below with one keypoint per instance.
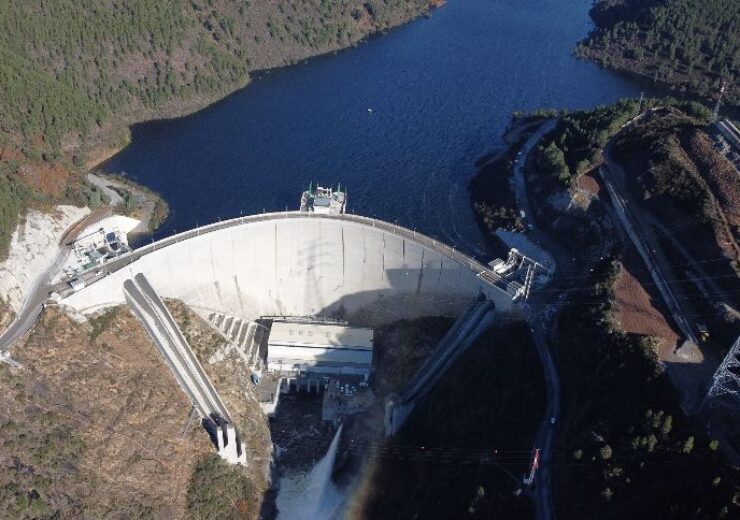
x,y
678,176
463,450
75,74
59,444
627,448
93,426
689,46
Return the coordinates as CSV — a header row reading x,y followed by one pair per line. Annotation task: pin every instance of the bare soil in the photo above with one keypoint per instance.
x,y
591,183
639,311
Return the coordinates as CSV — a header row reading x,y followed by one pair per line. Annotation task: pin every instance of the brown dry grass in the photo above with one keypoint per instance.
x,y
97,417
721,175
636,311
230,377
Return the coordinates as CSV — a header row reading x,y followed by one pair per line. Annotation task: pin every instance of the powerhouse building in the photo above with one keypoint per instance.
x,y
318,348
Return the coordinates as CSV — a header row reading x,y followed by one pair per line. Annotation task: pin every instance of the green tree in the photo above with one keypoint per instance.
x,y
667,425
555,164
605,452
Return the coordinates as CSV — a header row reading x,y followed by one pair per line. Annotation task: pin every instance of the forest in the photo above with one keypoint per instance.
x,y
689,46
626,437
74,74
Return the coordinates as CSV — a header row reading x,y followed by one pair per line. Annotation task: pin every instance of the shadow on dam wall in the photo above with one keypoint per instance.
x,y
365,272
386,305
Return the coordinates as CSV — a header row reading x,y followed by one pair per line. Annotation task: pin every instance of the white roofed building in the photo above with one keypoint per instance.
x,y
319,348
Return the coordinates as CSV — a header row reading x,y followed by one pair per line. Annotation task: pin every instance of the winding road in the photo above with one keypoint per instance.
x,y
540,320
37,294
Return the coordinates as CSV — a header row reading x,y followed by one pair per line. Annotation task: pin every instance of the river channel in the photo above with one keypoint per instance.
x,y
398,120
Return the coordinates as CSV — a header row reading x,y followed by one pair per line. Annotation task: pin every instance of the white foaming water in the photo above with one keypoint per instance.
x,y
311,496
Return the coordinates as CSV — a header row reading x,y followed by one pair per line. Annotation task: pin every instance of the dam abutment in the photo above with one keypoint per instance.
x,y
296,264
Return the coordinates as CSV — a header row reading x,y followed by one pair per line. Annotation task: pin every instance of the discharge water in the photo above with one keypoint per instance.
x,y
309,496
441,91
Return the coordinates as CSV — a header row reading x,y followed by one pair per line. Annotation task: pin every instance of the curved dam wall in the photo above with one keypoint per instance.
x,y
364,270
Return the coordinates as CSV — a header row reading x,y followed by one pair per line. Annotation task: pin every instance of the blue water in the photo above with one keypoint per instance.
x,y
441,90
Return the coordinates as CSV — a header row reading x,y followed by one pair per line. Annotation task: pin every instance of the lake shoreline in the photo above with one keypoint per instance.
x,y
184,108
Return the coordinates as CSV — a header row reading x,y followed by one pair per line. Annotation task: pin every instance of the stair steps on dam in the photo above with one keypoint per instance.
x,y
245,337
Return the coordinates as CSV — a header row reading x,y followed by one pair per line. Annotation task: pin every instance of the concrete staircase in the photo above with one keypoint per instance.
x,y
246,338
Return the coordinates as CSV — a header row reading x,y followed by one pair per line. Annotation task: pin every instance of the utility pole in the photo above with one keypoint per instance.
x,y
724,392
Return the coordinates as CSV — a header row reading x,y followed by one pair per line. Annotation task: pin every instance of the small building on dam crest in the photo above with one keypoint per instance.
x,y
362,270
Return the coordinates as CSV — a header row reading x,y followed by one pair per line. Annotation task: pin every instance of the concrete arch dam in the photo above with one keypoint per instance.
x,y
299,264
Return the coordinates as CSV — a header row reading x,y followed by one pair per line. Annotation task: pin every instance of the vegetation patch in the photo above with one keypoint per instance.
x,y
624,436
691,46
676,182
492,193
221,490
89,425
75,73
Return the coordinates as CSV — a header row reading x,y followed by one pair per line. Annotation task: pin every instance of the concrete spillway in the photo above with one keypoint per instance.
x,y
298,264
466,330
160,325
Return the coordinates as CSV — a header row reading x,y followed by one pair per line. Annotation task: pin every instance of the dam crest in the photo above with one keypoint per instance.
x,y
364,270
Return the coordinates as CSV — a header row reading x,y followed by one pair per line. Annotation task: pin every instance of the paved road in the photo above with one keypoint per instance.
x,y
540,312
40,288
38,293
542,308
545,439
520,187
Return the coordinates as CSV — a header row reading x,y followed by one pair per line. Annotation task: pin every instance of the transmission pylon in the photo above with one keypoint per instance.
x,y
725,389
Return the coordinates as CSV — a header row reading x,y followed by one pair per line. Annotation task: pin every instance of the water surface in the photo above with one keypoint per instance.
x,y
441,91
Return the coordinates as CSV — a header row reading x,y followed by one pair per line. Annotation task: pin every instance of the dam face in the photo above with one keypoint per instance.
x,y
297,264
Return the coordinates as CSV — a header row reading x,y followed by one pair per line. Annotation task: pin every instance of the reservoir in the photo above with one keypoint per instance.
x,y
440,90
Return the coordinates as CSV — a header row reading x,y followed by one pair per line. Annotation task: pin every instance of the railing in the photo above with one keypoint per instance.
x,y
450,252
